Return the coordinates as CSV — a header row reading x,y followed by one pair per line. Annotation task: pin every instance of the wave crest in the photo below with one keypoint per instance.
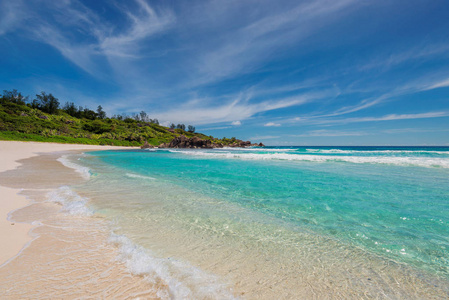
x,y
400,161
84,171
71,202
183,281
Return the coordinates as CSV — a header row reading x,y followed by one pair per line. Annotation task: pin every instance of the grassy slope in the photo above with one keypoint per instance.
x,y
22,123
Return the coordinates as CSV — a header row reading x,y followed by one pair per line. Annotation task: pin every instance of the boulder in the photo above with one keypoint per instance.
x,y
197,143
146,146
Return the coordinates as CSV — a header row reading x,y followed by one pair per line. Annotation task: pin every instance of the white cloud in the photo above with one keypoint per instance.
x,y
11,15
144,25
100,40
248,46
264,137
272,124
440,84
236,123
390,117
324,132
240,108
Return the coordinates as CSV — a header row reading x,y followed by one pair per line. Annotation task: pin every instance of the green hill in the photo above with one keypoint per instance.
x,y
43,120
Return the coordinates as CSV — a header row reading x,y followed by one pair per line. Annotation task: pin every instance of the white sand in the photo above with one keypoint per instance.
x,y
14,237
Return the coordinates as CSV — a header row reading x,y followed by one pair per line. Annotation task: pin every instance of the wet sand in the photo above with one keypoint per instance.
x,y
47,254
14,237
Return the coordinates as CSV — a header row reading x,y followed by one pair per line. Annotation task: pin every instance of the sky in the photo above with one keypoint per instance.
x,y
322,72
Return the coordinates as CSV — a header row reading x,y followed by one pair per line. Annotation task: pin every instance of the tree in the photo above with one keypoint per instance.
x,y
144,117
172,126
89,114
191,128
100,113
14,97
46,103
135,117
181,126
70,109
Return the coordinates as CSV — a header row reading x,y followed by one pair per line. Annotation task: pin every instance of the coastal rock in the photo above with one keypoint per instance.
x,y
197,143
194,143
146,146
241,144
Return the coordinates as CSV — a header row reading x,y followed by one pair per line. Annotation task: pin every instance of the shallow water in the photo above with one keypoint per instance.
x,y
347,222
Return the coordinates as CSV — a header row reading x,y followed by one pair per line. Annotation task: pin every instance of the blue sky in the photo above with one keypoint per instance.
x,y
323,72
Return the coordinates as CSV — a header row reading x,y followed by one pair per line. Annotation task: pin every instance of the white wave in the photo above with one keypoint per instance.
x,y
131,175
376,151
402,161
183,281
84,171
255,149
71,202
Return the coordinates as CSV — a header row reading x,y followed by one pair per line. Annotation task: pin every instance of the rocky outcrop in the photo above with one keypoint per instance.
x,y
197,143
146,146
194,142
243,144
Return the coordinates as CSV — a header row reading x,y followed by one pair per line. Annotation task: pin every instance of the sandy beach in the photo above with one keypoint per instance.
x,y
43,252
15,235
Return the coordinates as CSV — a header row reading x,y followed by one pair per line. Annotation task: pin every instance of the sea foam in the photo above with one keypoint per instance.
x,y
183,280
71,202
413,152
84,171
136,176
392,160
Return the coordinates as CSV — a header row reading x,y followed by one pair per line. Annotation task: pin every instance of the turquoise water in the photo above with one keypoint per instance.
x,y
390,203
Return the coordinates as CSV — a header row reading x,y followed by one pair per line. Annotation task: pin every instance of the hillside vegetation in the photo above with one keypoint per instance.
x,y
44,120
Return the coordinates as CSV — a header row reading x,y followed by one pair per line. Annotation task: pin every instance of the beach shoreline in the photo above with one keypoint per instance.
x,y
71,244
15,234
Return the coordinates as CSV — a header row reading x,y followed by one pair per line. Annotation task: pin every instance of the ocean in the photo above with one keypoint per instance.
x,y
277,222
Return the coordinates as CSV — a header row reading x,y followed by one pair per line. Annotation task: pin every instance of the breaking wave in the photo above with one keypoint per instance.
x,y
392,160
71,202
131,175
84,171
338,151
182,280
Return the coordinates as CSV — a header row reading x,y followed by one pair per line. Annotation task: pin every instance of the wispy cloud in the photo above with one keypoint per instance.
x,y
385,61
250,45
264,137
330,133
143,25
11,15
239,108
413,130
236,123
272,124
440,84
99,41
390,117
